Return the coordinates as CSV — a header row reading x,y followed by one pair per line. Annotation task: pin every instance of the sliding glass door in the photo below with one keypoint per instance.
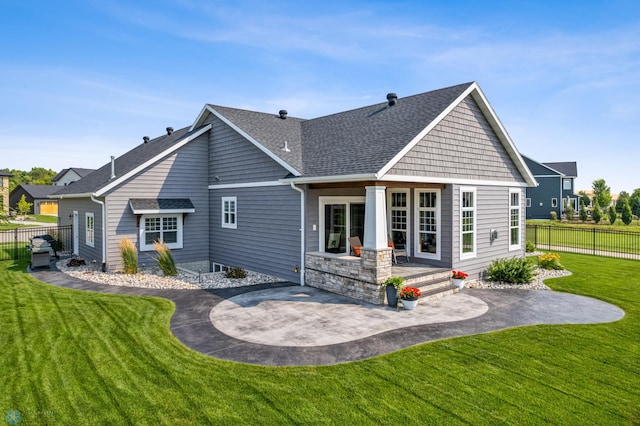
x,y
341,218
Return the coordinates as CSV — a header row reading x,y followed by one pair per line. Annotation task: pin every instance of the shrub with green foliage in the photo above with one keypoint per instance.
x,y
554,215
515,271
235,273
129,254
613,215
569,212
550,261
165,259
530,247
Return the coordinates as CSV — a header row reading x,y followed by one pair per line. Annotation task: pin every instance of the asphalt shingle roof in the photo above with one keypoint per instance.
x,y
567,168
39,191
161,204
125,163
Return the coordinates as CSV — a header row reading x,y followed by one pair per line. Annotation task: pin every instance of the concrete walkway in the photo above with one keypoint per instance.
x,y
285,324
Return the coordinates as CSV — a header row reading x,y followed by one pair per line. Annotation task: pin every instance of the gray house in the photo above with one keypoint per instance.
x,y
556,188
436,172
70,175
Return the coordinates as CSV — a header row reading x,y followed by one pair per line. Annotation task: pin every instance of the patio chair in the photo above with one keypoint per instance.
x,y
356,245
397,251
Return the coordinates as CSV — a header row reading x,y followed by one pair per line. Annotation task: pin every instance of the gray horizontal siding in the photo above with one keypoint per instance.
x,y
492,212
181,175
66,207
463,145
233,159
267,238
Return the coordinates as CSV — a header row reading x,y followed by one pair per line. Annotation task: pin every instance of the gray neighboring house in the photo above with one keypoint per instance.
x,y
38,195
280,195
556,188
70,175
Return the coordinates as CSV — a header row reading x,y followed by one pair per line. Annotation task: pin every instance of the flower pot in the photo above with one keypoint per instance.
x,y
458,282
392,296
409,304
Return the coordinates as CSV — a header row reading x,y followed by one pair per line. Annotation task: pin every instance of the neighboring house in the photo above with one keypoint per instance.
x,y
67,176
556,188
4,191
38,195
281,195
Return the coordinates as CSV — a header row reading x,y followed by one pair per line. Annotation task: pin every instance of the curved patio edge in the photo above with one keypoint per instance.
x,y
191,322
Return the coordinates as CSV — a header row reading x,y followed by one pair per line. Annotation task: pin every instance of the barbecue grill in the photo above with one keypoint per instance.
x,y
52,242
40,252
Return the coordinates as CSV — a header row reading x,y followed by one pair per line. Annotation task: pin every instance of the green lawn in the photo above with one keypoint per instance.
x,y
71,357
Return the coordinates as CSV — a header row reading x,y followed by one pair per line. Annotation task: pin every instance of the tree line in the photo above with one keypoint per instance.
x,y
36,176
626,207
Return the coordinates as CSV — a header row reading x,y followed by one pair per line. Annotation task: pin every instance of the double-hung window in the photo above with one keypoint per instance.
x,y
165,228
514,219
90,229
230,212
467,222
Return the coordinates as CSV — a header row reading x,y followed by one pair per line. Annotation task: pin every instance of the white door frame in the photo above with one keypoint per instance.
x,y
76,233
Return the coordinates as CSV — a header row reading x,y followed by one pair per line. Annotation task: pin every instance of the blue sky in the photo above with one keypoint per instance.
x,y
83,80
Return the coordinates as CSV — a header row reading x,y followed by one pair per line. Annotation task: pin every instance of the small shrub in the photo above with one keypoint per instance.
x,y
596,213
235,273
74,262
613,215
530,247
550,261
515,271
554,215
583,212
129,254
165,259
569,212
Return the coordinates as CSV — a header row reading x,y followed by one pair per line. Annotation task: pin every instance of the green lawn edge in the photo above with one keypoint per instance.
x,y
87,358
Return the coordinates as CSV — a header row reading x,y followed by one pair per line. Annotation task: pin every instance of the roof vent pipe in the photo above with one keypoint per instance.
x,y
392,98
113,168
283,113
169,130
146,139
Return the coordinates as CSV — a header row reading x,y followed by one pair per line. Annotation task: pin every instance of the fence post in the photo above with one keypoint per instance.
x,y
594,240
15,244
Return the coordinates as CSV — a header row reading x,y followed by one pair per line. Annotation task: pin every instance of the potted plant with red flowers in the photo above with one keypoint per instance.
x,y
457,278
410,297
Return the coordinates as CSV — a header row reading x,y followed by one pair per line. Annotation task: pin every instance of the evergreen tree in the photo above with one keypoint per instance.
x,y
583,212
627,216
613,215
596,214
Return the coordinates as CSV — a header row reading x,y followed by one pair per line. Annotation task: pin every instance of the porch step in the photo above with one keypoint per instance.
x,y
433,284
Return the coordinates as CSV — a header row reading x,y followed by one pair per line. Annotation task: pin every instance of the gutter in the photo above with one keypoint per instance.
x,y
302,230
104,232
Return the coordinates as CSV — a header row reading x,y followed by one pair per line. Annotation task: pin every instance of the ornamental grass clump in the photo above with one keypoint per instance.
x,y
515,271
129,254
165,259
550,261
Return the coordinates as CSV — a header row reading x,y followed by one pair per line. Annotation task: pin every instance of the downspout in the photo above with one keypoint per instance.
x,y
104,233
302,230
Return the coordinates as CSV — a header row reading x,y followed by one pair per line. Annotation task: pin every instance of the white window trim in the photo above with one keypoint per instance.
x,y
141,232
554,203
225,224
407,209
519,244
89,232
464,189
528,202
322,201
416,228
564,186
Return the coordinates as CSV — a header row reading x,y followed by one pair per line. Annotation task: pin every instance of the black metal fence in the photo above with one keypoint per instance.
x,y
595,241
14,242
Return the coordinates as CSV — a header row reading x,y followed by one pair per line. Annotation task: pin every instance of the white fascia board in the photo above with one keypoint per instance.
x,y
258,145
453,181
502,134
200,118
424,132
332,179
61,196
155,159
248,184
